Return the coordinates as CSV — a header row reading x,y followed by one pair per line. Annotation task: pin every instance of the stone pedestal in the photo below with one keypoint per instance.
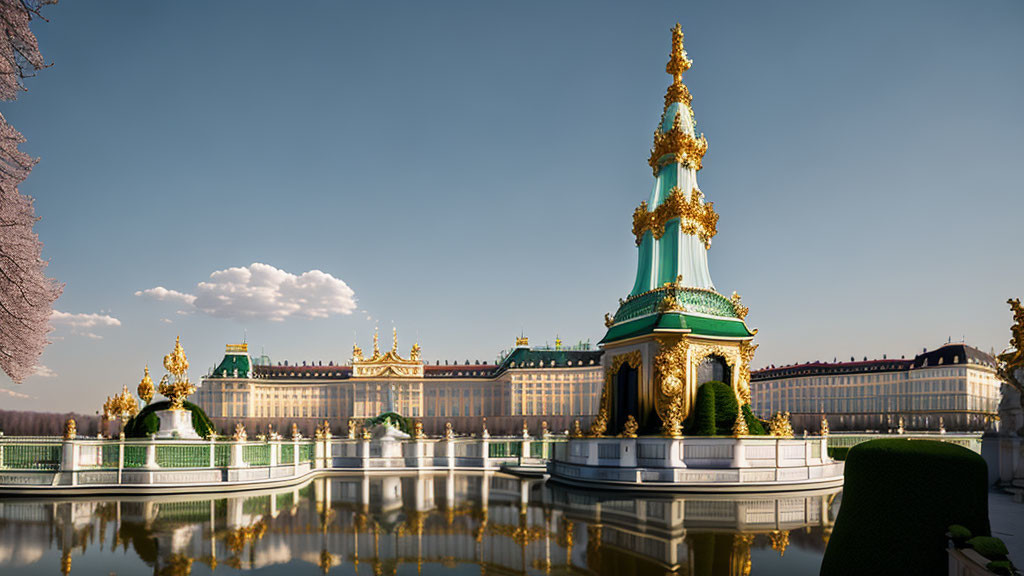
x,y
175,424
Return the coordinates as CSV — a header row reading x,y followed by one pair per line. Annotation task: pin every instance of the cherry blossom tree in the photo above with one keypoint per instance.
x,y
26,293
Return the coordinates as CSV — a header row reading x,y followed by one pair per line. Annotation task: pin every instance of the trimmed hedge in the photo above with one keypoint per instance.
x,y
715,412
839,452
146,422
989,547
899,496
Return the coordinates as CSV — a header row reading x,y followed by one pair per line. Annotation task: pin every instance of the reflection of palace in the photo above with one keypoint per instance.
x,y
956,383
554,384
430,521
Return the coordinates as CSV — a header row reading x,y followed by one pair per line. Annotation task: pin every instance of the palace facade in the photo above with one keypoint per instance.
x,y
554,385
954,386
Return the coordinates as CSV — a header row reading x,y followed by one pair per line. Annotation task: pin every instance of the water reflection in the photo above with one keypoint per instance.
x,y
479,523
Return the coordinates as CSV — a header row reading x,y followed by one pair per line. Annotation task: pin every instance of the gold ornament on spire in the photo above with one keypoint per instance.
x,y
357,352
394,340
376,345
146,389
414,354
678,144
175,385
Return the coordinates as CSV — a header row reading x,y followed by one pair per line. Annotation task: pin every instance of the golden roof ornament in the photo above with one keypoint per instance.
x,y
414,353
376,345
357,352
738,307
394,339
175,385
145,388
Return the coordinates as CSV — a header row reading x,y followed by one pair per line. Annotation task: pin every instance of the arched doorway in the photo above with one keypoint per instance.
x,y
714,368
625,400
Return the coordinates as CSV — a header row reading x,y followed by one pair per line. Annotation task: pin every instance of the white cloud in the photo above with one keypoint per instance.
x,y
162,294
83,324
15,394
167,321
261,291
44,372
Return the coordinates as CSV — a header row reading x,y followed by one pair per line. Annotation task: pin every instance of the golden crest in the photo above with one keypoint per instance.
x,y
695,216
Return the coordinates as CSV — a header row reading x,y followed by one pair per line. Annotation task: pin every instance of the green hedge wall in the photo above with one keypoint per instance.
x,y
145,422
899,497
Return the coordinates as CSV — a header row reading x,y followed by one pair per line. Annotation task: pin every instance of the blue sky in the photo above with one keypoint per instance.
x,y
469,170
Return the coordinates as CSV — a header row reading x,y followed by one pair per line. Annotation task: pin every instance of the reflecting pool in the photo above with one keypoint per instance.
x,y
427,523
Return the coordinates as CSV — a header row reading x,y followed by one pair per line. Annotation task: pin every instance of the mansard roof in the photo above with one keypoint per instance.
x,y
523,357
955,353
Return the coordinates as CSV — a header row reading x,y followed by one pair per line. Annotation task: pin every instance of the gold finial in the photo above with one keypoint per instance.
x,y
376,344
394,339
414,354
357,352
145,389
522,341
677,64
175,385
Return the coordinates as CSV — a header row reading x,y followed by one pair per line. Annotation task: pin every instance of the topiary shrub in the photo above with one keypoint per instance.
x,y
703,423
754,426
839,452
146,422
400,422
989,547
899,496
715,410
1001,567
959,535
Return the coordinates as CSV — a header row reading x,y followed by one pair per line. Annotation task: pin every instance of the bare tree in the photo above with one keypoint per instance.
x,y
26,294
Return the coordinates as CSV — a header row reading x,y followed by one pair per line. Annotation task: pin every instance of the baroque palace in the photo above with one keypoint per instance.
x,y
543,384
954,387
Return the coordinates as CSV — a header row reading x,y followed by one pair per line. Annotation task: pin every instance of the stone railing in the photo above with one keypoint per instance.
x,y
49,462
972,441
58,462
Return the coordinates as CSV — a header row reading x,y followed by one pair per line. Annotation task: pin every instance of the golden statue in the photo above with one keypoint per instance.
x,y
630,427
739,427
414,354
175,385
240,434
780,426
353,425
296,435
1011,362
417,430
70,429
824,426
526,429
600,424
449,433
672,423
146,389
576,431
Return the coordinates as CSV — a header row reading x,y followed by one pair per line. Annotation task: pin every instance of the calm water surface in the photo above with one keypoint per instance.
x,y
460,523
